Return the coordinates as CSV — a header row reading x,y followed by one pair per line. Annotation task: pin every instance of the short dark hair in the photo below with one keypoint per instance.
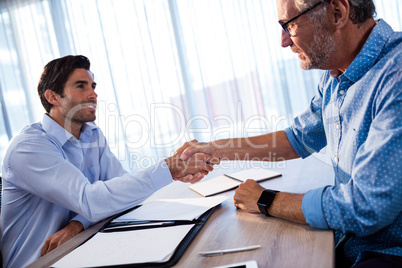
x,y
360,10
56,73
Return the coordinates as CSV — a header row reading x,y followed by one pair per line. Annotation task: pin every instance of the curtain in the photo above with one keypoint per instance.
x,y
167,71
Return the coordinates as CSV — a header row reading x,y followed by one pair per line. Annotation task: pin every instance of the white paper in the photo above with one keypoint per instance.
x,y
214,186
172,209
116,248
257,174
223,183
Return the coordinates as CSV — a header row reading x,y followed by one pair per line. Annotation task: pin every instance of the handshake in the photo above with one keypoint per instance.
x,y
192,161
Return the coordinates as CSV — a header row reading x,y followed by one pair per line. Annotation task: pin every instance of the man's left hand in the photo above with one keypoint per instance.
x,y
72,229
247,195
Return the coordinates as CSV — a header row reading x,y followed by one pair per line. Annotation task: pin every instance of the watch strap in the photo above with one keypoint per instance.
x,y
265,201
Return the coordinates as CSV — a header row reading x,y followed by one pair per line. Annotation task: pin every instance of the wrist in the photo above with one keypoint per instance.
x,y
76,226
222,149
172,165
265,201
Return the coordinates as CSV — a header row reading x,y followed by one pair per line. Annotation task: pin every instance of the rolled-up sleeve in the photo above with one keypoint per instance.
x,y
307,134
313,210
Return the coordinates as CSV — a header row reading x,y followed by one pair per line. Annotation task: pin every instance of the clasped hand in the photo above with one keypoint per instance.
x,y
194,167
246,195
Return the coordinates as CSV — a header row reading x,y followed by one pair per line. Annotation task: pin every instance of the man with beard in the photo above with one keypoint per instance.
x,y
356,114
59,175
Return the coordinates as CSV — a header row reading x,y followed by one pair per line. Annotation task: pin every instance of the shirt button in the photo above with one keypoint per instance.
x,y
342,92
338,126
336,159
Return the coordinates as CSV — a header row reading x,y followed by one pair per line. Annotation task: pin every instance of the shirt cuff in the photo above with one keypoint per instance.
x,y
86,223
300,150
312,208
160,175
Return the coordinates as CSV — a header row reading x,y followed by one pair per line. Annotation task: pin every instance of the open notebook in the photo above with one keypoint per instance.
x,y
229,182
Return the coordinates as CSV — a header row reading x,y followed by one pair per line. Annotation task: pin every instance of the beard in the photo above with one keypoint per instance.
x,y
80,113
321,48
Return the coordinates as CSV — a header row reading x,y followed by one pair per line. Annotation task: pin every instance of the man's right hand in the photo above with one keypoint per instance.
x,y
210,149
192,169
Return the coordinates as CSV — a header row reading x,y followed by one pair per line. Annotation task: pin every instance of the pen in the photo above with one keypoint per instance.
x,y
233,177
124,226
134,225
225,251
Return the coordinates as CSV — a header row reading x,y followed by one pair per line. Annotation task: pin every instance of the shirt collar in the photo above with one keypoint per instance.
x,y
61,134
370,52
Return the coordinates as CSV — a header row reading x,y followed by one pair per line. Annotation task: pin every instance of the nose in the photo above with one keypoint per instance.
x,y
93,95
285,39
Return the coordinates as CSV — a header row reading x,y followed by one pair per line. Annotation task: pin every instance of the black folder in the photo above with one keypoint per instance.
x,y
198,223
181,248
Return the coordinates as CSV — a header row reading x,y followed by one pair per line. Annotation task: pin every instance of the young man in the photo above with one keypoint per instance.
x,y
356,113
59,175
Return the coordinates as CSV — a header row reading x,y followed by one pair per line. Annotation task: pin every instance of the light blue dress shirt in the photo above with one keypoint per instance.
x,y
51,178
358,116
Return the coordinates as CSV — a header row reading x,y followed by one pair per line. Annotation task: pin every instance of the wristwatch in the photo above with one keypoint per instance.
x,y
265,201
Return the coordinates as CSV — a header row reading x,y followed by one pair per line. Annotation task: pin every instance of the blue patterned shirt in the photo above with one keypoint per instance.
x,y
51,178
358,117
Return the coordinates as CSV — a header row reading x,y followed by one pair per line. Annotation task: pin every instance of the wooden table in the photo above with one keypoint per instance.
x,y
284,244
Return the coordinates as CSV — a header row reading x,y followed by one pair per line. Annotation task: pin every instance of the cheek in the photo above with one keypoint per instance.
x,y
299,44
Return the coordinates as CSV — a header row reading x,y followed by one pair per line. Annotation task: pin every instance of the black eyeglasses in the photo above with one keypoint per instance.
x,y
287,27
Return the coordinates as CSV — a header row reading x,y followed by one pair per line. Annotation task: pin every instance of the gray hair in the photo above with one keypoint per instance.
x,y
360,10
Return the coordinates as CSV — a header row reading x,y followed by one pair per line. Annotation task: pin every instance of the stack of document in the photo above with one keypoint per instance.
x,y
229,182
142,240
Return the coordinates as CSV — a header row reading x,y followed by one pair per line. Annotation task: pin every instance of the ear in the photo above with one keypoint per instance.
x,y
52,97
340,12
